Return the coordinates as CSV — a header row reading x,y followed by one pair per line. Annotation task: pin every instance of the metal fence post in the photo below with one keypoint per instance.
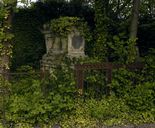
x,y
79,74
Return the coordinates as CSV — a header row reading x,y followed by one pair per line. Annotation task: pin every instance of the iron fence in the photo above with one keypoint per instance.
x,y
93,79
81,71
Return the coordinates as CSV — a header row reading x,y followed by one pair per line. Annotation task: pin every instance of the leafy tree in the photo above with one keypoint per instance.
x,y
101,18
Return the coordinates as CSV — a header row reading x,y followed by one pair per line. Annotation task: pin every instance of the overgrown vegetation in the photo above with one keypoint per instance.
x,y
28,101
55,99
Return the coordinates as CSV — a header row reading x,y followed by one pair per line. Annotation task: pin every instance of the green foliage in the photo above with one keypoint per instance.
x,y
60,90
149,70
29,44
124,80
107,108
95,84
110,45
21,108
101,19
131,102
122,51
54,100
5,36
141,98
25,69
137,90
5,2
109,111
64,25
50,98
80,117
4,96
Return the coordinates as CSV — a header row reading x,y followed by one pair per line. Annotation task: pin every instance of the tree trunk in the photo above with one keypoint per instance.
x,y
5,57
134,19
134,22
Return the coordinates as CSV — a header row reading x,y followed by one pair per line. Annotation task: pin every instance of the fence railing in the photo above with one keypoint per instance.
x,y
80,72
79,77
108,67
10,75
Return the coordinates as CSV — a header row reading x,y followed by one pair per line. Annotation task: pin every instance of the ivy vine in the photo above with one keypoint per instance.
x,y
5,36
64,25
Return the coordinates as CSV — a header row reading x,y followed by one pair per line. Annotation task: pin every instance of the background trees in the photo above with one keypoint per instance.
x,y
54,99
105,20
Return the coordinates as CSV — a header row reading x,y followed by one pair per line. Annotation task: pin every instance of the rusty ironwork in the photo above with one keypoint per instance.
x,y
40,73
107,66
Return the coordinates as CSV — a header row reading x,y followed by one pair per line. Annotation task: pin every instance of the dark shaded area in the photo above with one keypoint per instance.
x,y
146,38
77,41
29,44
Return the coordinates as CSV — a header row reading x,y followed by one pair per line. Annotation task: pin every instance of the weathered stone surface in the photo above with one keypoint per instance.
x,y
59,47
56,126
146,126
77,41
76,44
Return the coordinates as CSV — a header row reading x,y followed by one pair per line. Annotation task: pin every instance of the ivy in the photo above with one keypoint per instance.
x,y
101,49
5,35
64,25
122,51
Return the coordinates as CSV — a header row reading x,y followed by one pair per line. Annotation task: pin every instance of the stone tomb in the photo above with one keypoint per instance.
x,y
58,47
53,43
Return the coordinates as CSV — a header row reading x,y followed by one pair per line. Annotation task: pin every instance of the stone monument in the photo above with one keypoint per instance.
x,y
59,47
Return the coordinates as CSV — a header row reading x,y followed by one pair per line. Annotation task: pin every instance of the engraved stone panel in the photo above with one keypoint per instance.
x,y
58,47
76,44
77,41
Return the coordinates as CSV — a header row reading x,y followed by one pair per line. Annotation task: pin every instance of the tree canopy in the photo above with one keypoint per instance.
x,y
106,19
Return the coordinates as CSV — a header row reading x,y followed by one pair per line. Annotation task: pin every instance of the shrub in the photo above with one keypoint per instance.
x,y
141,98
36,102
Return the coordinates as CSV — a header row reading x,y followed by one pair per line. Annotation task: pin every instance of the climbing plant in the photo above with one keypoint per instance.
x,y
101,20
64,25
5,35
